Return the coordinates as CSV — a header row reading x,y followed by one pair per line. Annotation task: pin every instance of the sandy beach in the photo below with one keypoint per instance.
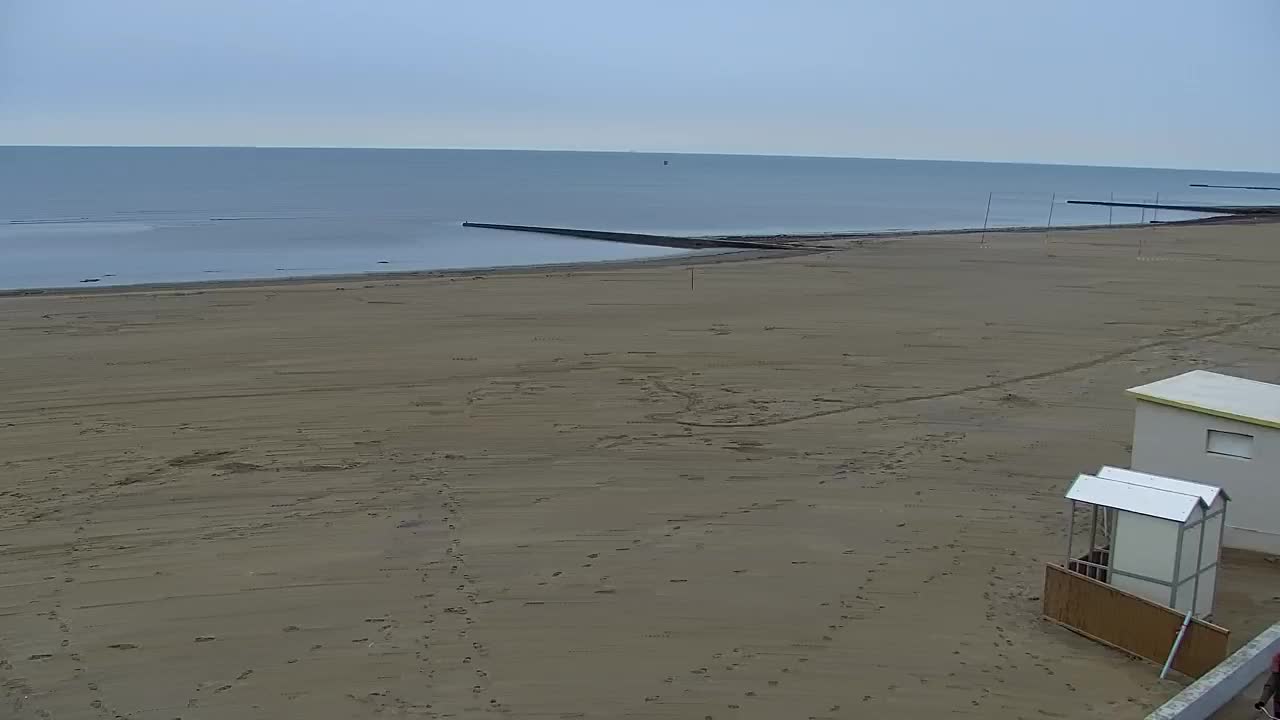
x,y
813,486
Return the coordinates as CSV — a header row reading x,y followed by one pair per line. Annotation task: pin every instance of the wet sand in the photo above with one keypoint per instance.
x,y
813,486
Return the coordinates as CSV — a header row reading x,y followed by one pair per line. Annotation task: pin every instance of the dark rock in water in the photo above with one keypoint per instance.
x,y
86,280
384,262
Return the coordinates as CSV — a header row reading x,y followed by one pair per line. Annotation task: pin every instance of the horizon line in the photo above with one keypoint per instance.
x,y
622,152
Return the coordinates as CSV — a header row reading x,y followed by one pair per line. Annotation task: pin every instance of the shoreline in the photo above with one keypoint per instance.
x,y
693,258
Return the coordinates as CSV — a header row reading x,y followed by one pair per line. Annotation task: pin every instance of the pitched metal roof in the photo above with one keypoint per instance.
x,y
1208,493
1140,499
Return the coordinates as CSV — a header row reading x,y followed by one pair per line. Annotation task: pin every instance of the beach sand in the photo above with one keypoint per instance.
x,y
819,486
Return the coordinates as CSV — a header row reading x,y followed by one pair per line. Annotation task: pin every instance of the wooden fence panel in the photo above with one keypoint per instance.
x,y
1130,623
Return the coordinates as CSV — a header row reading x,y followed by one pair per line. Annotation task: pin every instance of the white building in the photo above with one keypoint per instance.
x,y
1222,430
1155,537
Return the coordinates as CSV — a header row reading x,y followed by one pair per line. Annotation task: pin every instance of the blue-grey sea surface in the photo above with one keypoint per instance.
x,y
143,215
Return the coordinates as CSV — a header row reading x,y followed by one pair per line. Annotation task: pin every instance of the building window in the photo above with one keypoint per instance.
x,y
1229,443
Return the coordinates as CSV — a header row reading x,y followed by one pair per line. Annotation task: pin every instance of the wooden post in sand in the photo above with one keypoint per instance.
x,y
1111,208
1049,223
690,279
985,219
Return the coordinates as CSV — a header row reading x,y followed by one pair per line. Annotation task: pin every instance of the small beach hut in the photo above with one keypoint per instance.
x,y
1219,429
1152,536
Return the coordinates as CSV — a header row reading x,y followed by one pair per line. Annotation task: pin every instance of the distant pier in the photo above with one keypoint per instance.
x,y
1234,187
671,241
1254,210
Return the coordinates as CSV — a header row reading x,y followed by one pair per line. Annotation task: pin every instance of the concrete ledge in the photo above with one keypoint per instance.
x,y
1255,540
1202,698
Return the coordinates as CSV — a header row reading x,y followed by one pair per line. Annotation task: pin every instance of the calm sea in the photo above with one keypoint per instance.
x,y
137,215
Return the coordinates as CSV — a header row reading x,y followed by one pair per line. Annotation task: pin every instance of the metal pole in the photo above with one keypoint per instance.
x,y
1182,631
1155,212
1071,530
1111,544
1111,208
986,218
1222,529
1093,542
690,279
1049,223
1177,572
1195,587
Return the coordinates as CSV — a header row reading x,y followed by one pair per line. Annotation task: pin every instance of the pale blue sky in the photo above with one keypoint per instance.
x,y
1169,83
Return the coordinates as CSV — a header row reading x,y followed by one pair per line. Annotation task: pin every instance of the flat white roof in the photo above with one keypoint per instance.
x,y
1139,499
1249,401
1208,493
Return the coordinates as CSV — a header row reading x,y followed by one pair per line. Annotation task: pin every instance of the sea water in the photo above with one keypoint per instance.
x,y
143,215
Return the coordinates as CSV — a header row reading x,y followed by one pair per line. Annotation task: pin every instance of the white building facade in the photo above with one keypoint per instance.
x,y
1219,430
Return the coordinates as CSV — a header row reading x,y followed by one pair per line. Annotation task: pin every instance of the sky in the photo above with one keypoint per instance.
x,y
1157,83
